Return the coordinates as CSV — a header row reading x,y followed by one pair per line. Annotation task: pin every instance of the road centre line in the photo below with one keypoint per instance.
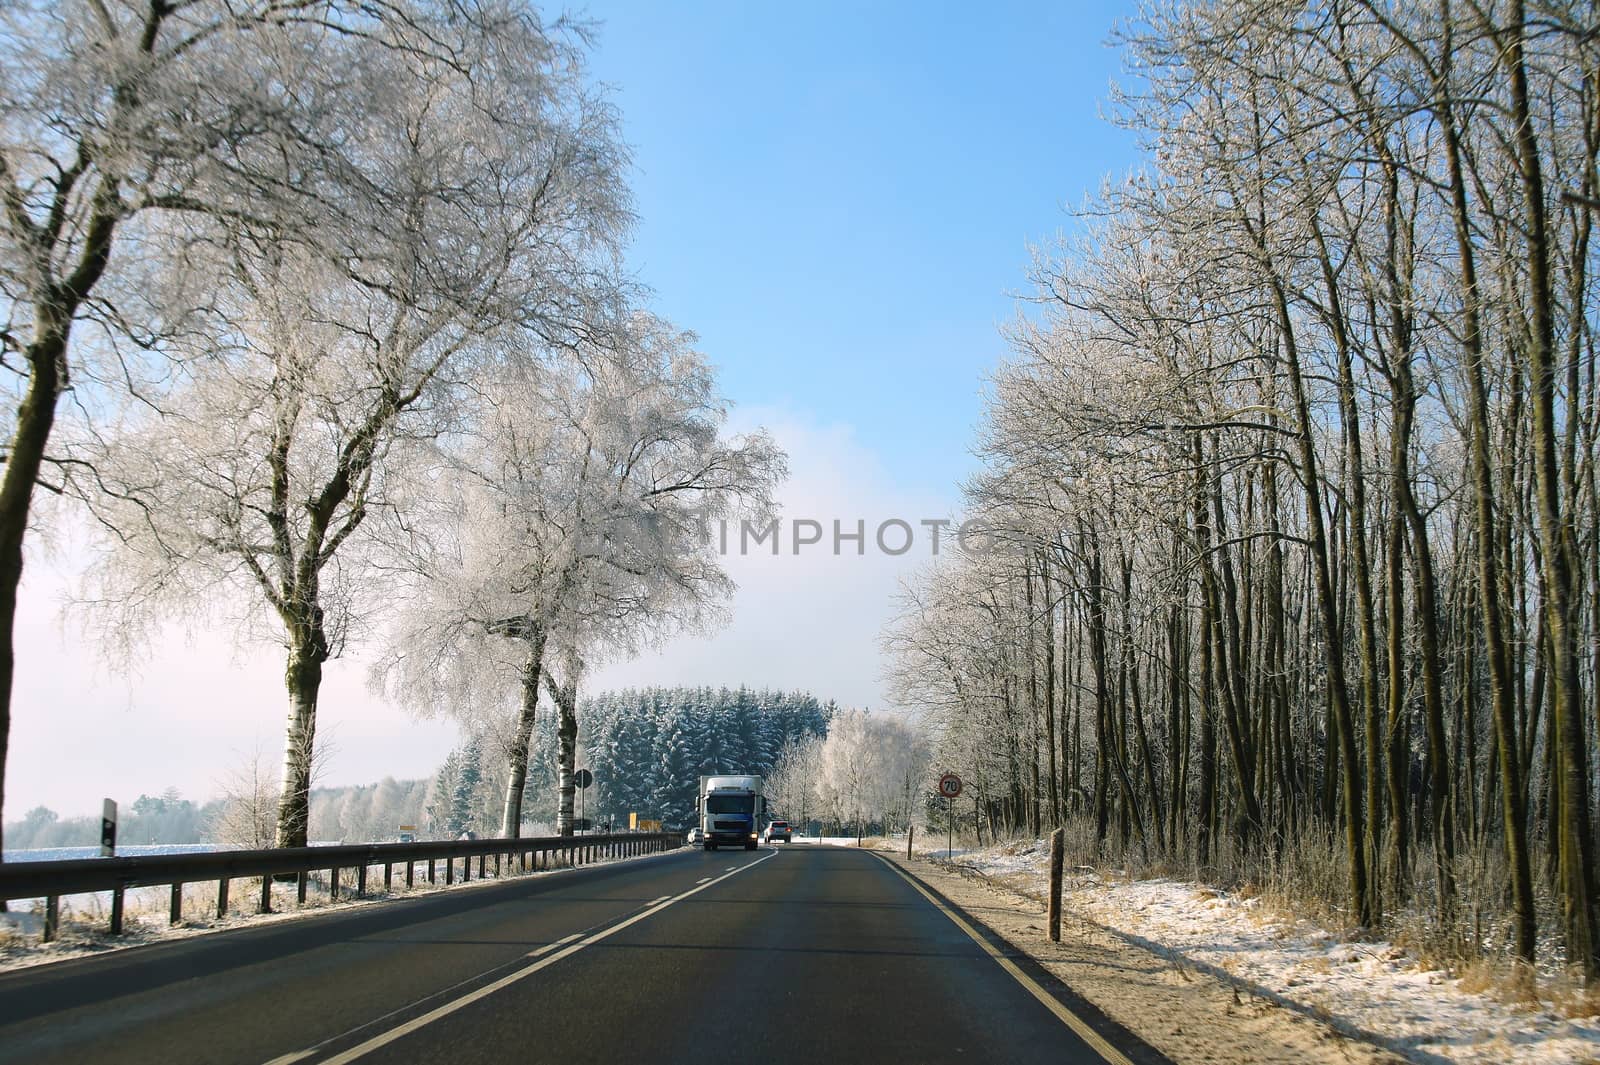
x,y
385,1038
1079,1026
548,947
301,1055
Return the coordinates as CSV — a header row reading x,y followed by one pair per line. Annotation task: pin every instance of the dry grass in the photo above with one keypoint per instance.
x,y
1570,998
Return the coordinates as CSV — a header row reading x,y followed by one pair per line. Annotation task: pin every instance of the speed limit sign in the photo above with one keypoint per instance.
x,y
949,785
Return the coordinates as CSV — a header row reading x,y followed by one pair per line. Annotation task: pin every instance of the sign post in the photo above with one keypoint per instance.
x,y
583,778
950,788
108,828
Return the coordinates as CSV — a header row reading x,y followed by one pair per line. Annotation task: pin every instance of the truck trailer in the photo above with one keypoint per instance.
x,y
730,811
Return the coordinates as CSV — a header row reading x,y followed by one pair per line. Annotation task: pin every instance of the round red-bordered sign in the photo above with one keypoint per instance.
x,y
949,785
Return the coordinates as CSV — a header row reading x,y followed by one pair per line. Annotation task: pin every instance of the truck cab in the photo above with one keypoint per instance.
x,y
730,811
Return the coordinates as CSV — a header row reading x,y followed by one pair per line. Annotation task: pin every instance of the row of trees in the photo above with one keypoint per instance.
x,y
317,307
1298,449
164,818
235,818
648,748
869,773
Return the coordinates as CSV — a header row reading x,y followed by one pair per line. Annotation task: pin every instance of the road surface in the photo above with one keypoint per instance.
x,y
796,954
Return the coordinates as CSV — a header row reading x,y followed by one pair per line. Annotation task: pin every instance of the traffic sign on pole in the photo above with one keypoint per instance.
x,y
949,787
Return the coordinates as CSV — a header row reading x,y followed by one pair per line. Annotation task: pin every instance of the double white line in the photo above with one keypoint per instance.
x,y
561,948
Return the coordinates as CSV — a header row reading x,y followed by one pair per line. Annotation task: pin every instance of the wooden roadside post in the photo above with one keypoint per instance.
x,y
911,834
1057,847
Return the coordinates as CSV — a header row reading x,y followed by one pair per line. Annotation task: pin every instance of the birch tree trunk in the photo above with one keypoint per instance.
x,y
522,738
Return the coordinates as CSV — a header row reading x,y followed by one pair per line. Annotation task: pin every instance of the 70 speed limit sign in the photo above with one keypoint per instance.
x,y
949,785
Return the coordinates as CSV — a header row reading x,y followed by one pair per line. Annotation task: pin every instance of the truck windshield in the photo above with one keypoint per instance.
x,y
729,804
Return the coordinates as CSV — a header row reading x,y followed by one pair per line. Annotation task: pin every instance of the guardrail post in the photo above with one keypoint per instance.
x,y
361,880
116,911
410,872
300,879
222,898
333,884
52,917
1057,854
449,871
175,909
388,877
483,860
266,894
430,871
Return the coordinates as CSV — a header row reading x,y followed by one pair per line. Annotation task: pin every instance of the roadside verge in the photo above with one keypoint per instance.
x,y
1185,1015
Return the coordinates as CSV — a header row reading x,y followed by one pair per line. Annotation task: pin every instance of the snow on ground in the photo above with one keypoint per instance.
x,y
1371,989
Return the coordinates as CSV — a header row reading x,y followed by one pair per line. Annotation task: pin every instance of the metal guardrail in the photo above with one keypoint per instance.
x,y
51,880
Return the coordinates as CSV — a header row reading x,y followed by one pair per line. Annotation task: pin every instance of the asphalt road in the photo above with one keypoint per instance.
x,y
802,954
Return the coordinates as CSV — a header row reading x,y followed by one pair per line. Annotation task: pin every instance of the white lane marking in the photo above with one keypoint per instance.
x,y
702,880
1078,1025
384,1039
546,949
289,1059
663,898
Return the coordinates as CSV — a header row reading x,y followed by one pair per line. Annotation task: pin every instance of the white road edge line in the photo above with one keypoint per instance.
x,y
1079,1026
702,880
384,1039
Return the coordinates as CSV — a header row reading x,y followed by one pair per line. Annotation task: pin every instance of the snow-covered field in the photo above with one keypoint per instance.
x,y
1371,988
64,854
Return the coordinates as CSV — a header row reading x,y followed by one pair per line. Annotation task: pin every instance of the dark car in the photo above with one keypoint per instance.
x,y
778,830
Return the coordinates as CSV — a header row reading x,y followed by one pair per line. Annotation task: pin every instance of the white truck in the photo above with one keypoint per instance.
x,y
730,811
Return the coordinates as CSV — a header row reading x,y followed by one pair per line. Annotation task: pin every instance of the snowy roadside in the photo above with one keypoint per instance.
x,y
83,929
1371,990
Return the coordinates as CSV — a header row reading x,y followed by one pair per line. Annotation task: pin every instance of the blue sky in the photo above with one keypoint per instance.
x,y
839,198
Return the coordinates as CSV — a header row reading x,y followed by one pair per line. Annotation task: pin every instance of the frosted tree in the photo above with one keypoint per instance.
x,y
568,528
792,782
127,124
478,197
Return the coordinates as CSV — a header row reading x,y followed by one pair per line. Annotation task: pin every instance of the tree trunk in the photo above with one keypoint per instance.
x,y
565,695
1513,796
46,357
34,420
1053,783
517,777
303,680
1361,896
1557,538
